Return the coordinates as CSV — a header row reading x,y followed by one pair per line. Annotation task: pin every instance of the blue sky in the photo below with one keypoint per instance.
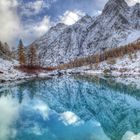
x,y
30,19
37,13
55,8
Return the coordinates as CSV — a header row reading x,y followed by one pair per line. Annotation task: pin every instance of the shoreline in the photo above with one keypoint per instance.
x,y
126,78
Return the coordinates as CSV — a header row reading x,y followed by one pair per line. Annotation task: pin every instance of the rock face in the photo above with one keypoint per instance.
x,y
118,25
5,51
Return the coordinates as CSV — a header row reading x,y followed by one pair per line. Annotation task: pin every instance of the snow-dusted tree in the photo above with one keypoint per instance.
x,y
21,54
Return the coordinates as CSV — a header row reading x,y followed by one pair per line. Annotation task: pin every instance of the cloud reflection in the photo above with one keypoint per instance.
x,y
43,109
131,136
69,118
9,112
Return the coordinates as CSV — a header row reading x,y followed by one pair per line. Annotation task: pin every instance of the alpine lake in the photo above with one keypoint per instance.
x,y
70,108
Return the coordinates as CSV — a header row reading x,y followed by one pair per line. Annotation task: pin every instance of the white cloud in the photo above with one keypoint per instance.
x,y
31,8
70,17
9,21
43,26
37,5
34,7
35,30
132,2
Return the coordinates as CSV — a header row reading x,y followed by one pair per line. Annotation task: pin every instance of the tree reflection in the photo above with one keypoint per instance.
x,y
114,105
32,88
20,93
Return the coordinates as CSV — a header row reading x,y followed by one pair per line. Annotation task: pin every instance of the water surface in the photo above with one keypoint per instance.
x,y
69,108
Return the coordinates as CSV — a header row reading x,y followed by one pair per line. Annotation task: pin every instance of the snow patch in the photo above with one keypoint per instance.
x,y
133,36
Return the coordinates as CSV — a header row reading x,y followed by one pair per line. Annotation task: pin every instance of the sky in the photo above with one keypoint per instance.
x,y
30,19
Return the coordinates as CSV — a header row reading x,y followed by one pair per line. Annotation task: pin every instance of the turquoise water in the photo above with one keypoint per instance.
x,y
69,108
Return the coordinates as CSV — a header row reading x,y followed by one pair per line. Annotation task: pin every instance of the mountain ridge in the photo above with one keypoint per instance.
x,y
116,26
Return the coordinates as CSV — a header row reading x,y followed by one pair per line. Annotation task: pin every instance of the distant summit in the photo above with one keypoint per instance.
x,y
118,25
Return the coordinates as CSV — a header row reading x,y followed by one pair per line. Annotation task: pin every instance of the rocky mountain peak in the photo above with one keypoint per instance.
x,y
114,6
85,19
136,7
58,26
118,25
137,4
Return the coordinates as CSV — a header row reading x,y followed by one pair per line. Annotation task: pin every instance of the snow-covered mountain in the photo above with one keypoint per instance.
x,y
118,25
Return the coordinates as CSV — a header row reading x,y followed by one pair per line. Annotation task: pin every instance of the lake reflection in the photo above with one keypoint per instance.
x,y
69,108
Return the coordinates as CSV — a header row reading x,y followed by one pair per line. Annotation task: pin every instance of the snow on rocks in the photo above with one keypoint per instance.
x,y
9,74
127,65
88,36
133,35
8,71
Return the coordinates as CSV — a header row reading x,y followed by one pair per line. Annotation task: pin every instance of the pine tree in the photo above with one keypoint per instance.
x,y
21,54
32,57
97,60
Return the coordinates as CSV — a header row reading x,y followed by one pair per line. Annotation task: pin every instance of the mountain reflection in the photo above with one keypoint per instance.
x,y
75,108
